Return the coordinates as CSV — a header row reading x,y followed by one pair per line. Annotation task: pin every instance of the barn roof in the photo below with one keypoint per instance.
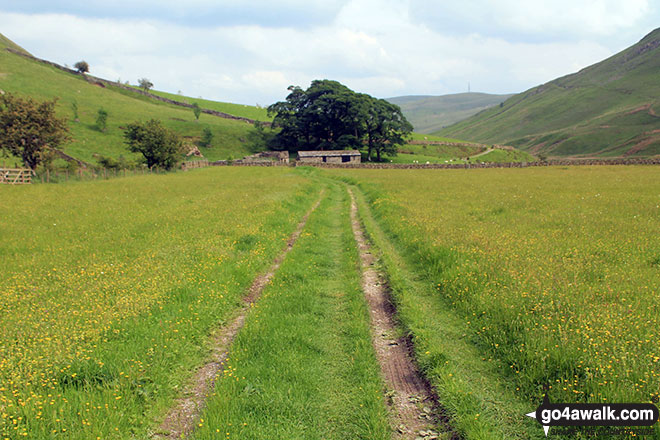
x,y
328,153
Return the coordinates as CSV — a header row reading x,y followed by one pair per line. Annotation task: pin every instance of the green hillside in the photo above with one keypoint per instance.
x,y
431,113
243,111
609,109
40,81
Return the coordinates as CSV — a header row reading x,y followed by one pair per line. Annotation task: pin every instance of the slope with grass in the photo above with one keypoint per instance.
x,y
240,110
609,109
26,77
432,113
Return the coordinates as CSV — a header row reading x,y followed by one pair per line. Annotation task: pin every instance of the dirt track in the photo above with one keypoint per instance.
x,y
411,398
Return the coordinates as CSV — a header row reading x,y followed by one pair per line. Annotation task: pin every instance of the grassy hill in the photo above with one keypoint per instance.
x,y
431,113
243,111
609,109
40,81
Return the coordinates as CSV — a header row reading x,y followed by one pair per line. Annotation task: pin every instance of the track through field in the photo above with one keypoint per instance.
x,y
183,417
412,400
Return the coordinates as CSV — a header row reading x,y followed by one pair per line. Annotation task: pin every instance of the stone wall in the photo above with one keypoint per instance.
x,y
103,82
407,166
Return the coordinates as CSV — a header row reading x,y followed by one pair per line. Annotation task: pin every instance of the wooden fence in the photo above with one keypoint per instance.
x,y
15,176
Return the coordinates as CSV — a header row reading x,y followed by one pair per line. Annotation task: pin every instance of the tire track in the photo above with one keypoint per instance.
x,y
412,401
182,418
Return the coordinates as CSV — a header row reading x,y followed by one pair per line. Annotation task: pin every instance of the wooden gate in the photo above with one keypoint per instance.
x,y
15,176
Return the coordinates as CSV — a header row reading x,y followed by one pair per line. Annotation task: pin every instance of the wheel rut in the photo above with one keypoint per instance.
x,y
416,411
181,420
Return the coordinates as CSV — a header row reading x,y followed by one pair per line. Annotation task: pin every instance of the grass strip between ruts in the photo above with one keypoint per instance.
x,y
303,366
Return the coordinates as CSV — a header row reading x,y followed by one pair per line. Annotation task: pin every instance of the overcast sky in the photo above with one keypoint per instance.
x,y
249,52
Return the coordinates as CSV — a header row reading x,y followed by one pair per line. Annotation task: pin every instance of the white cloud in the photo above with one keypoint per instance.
x,y
539,19
381,47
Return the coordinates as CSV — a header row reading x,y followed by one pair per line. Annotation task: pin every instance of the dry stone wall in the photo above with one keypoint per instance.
x,y
104,82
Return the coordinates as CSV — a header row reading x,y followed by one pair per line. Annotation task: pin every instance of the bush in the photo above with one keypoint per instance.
x,y
145,84
81,66
160,146
102,119
207,138
196,110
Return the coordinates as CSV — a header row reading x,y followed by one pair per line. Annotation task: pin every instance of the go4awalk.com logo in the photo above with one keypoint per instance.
x,y
594,414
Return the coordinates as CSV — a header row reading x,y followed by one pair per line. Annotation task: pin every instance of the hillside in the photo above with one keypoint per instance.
x,y
29,78
609,109
431,113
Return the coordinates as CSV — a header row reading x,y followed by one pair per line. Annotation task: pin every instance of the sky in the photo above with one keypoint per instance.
x,y
249,52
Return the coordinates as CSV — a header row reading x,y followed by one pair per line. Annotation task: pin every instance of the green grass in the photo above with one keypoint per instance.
x,y
457,154
479,403
110,290
415,136
303,367
505,156
42,82
548,274
602,110
244,111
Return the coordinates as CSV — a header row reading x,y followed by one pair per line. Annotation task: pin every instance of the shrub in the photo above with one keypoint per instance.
x,y
160,146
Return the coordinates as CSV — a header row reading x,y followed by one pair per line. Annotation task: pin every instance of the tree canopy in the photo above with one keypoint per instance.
x,y
145,84
330,116
28,129
81,66
160,146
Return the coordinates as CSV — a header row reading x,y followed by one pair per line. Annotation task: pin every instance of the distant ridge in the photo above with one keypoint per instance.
x,y
431,113
609,109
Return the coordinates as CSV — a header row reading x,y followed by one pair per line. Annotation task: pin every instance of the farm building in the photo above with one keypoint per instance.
x,y
330,156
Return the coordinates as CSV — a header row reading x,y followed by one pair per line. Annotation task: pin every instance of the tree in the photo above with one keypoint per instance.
x,y
102,119
28,129
81,67
145,84
160,146
385,128
196,110
207,138
329,115
323,117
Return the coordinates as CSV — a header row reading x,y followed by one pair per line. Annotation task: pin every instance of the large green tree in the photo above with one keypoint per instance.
x,y
160,146
28,129
385,128
330,116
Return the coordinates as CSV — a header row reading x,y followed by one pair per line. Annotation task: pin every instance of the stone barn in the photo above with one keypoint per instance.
x,y
329,156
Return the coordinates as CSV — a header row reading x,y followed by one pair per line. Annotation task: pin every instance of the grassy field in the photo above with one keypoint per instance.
x,y
508,281
549,276
303,366
413,153
39,81
110,290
